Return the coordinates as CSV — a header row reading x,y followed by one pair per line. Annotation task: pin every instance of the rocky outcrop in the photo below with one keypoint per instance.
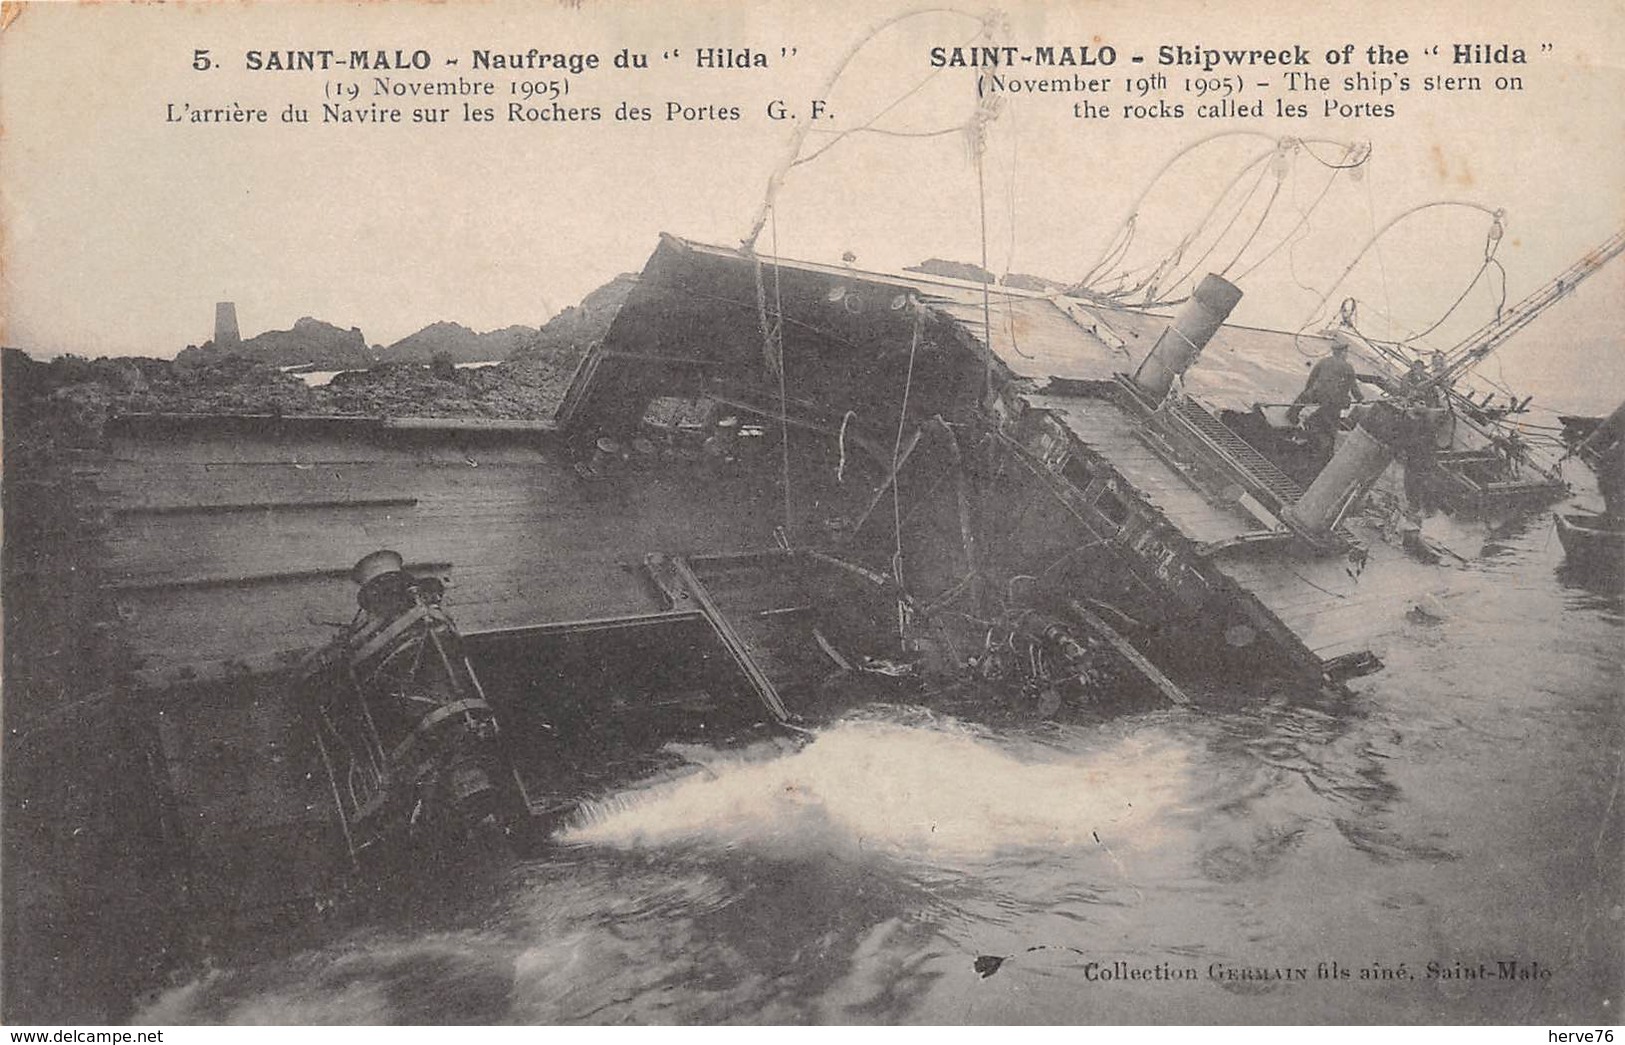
x,y
977,274
568,335
521,390
528,385
311,341
458,343
1024,281
952,269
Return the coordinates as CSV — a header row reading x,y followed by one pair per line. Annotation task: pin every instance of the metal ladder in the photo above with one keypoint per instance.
x,y
1251,466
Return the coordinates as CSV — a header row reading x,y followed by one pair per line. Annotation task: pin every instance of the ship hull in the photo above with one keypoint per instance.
x,y
1591,541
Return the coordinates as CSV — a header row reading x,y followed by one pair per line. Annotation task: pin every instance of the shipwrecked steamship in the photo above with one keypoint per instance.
x,y
767,475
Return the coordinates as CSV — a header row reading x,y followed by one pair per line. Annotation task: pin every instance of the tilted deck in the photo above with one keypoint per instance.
x,y
1332,606
232,544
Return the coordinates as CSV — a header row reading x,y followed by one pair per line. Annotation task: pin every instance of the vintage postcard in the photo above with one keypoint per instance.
x,y
607,512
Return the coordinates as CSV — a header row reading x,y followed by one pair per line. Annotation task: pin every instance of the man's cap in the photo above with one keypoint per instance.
x,y
376,565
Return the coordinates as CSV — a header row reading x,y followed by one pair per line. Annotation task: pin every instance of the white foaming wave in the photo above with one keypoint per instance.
x,y
210,1000
179,1004
360,981
866,786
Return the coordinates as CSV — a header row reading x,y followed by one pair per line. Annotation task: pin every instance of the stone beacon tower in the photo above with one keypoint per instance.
x,y
225,324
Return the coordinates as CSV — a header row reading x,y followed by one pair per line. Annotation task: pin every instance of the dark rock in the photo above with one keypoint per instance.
x,y
953,270
443,367
988,964
567,336
458,343
977,274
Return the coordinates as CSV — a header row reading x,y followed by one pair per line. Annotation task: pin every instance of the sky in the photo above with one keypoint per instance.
x,y
122,228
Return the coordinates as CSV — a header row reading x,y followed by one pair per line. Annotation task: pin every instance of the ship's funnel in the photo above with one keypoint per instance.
x,y
1361,458
1384,431
1183,340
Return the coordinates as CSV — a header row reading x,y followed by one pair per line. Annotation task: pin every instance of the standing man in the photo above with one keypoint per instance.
x,y
1330,388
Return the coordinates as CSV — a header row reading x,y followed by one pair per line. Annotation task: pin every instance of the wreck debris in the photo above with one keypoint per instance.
x,y
1153,674
682,586
1153,502
406,737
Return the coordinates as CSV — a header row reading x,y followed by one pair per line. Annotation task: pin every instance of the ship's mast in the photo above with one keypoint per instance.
x,y
1466,355
1492,335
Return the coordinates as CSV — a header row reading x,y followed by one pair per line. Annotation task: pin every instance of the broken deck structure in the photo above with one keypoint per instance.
x,y
982,449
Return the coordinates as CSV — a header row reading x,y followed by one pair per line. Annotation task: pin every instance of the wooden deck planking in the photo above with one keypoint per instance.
x,y
1303,612
146,485
1035,339
169,629
1352,629
1332,613
529,541
1289,585
459,517
1356,634
1306,599
1106,431
294,447
166,630
1239,366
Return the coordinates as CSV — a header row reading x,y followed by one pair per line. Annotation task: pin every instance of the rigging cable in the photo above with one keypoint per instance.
x,y
1303,220
784,402
1010,193
1115,250
1292,250
1269,205
1139,201
803,128
1324,297
840,443
1278,168
1152,285
1492,242
868,126
940,132
976,131
896,455
1354,155
1010,256
769,354
1453,306
1382,263
1240,210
